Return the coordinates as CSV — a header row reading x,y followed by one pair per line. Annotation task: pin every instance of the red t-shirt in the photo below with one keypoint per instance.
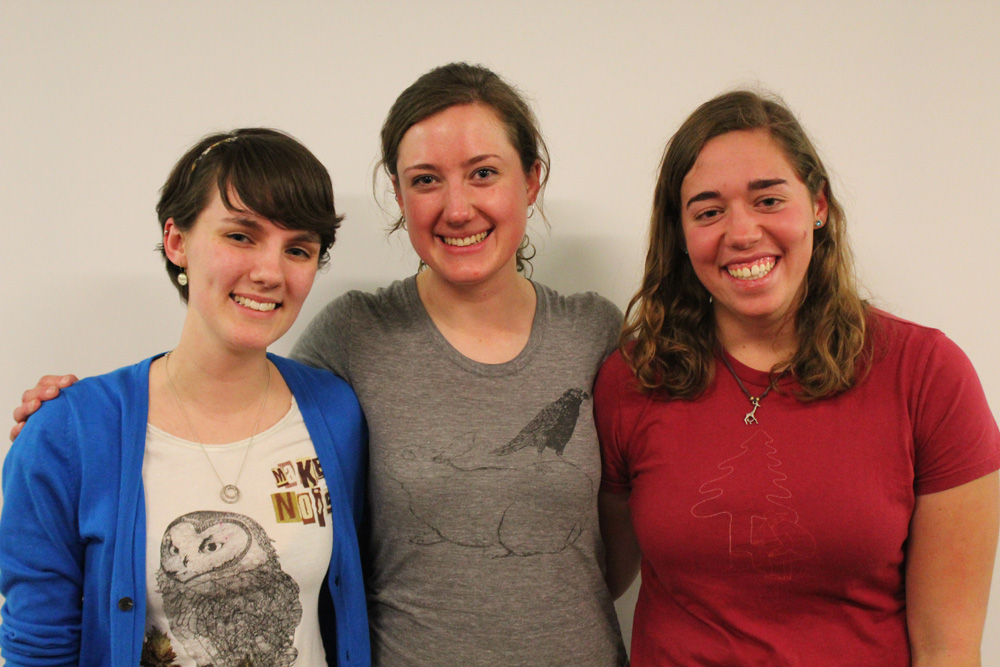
x,y
782,542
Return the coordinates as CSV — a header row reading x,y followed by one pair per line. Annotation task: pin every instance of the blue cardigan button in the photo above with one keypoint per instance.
x,y
126,604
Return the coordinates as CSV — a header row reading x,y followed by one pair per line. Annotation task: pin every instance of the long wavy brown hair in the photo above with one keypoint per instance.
x,y
670,339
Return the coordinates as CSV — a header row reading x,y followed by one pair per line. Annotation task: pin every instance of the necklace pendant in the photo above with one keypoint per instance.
x,y
230,494
751,417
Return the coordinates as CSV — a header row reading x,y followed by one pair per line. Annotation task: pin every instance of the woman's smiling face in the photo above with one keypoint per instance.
x,y
247,277
748,223
464,193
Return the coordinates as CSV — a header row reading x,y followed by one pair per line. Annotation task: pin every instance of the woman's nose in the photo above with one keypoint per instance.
x,y
742,228
458,207
267,267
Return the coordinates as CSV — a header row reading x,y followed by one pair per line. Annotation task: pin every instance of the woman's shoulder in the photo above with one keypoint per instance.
x,y
616,373
299,375
385,303
586,306
95,403
906,349
898,326
121,386
893,333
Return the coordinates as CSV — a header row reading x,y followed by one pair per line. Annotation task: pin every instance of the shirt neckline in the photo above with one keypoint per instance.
x,y
538,326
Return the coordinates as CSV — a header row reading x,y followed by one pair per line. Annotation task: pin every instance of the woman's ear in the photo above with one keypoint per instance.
x,y
398,194
820,206
174,243
534,177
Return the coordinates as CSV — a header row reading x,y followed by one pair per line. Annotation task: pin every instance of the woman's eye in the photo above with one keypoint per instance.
x,y
707,216
300,252
768,202
423,179
237,236
484,173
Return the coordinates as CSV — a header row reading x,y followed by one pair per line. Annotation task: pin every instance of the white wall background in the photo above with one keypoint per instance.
x,y
97,100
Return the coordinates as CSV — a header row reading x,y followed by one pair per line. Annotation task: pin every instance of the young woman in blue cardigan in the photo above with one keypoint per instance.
x,y
200,507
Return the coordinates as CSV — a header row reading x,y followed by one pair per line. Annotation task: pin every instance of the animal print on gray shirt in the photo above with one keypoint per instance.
x,y
483,482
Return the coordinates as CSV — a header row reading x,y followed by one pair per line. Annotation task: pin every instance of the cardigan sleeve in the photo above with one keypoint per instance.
x,y
349,432
41,553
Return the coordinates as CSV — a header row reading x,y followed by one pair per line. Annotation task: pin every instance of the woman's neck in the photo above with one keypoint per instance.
x,y
199,393
762,346
213,375
488,322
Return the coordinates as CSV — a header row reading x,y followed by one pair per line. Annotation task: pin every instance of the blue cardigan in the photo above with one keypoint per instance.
x,y
73,529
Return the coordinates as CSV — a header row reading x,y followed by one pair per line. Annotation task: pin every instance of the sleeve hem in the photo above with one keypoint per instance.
x,y
955,479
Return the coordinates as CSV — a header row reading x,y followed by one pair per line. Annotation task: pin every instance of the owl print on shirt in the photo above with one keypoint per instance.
x,y
225,596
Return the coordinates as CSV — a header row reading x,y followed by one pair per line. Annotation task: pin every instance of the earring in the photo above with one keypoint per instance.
x,y
182,278
531,210
402,221
819,223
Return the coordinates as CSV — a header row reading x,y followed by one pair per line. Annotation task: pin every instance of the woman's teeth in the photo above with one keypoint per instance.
x,y
468,240
254,305
757,269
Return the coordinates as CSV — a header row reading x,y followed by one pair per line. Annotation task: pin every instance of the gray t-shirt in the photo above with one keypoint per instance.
x,y
483,482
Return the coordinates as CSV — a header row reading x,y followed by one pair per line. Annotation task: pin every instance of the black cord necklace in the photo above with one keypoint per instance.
x,y
751,417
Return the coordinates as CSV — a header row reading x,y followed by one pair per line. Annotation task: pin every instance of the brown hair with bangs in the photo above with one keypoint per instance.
x,y
461,83
670,339
273,175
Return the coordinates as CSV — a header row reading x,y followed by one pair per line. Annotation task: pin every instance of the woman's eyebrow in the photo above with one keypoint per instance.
x,y
702,196
764,183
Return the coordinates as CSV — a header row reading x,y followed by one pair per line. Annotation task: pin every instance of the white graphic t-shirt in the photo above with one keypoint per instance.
x,y
235,584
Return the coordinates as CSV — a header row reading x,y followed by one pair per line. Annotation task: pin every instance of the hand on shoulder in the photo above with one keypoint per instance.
x,y
47,388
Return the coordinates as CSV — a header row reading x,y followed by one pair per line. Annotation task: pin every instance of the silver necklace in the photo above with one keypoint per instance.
x,y
230,493
751,417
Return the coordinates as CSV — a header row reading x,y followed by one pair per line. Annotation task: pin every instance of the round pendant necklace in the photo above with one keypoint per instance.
x,y
751,417
230,493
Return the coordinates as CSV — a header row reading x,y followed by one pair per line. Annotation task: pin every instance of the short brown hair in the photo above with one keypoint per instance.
x,y
461,83
274,176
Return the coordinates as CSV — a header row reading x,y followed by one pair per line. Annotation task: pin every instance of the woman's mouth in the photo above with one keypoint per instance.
x,y
462,241
254,305
752,270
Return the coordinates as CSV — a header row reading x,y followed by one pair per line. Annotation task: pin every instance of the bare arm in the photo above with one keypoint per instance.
x,y
47,388
949,566
622,554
